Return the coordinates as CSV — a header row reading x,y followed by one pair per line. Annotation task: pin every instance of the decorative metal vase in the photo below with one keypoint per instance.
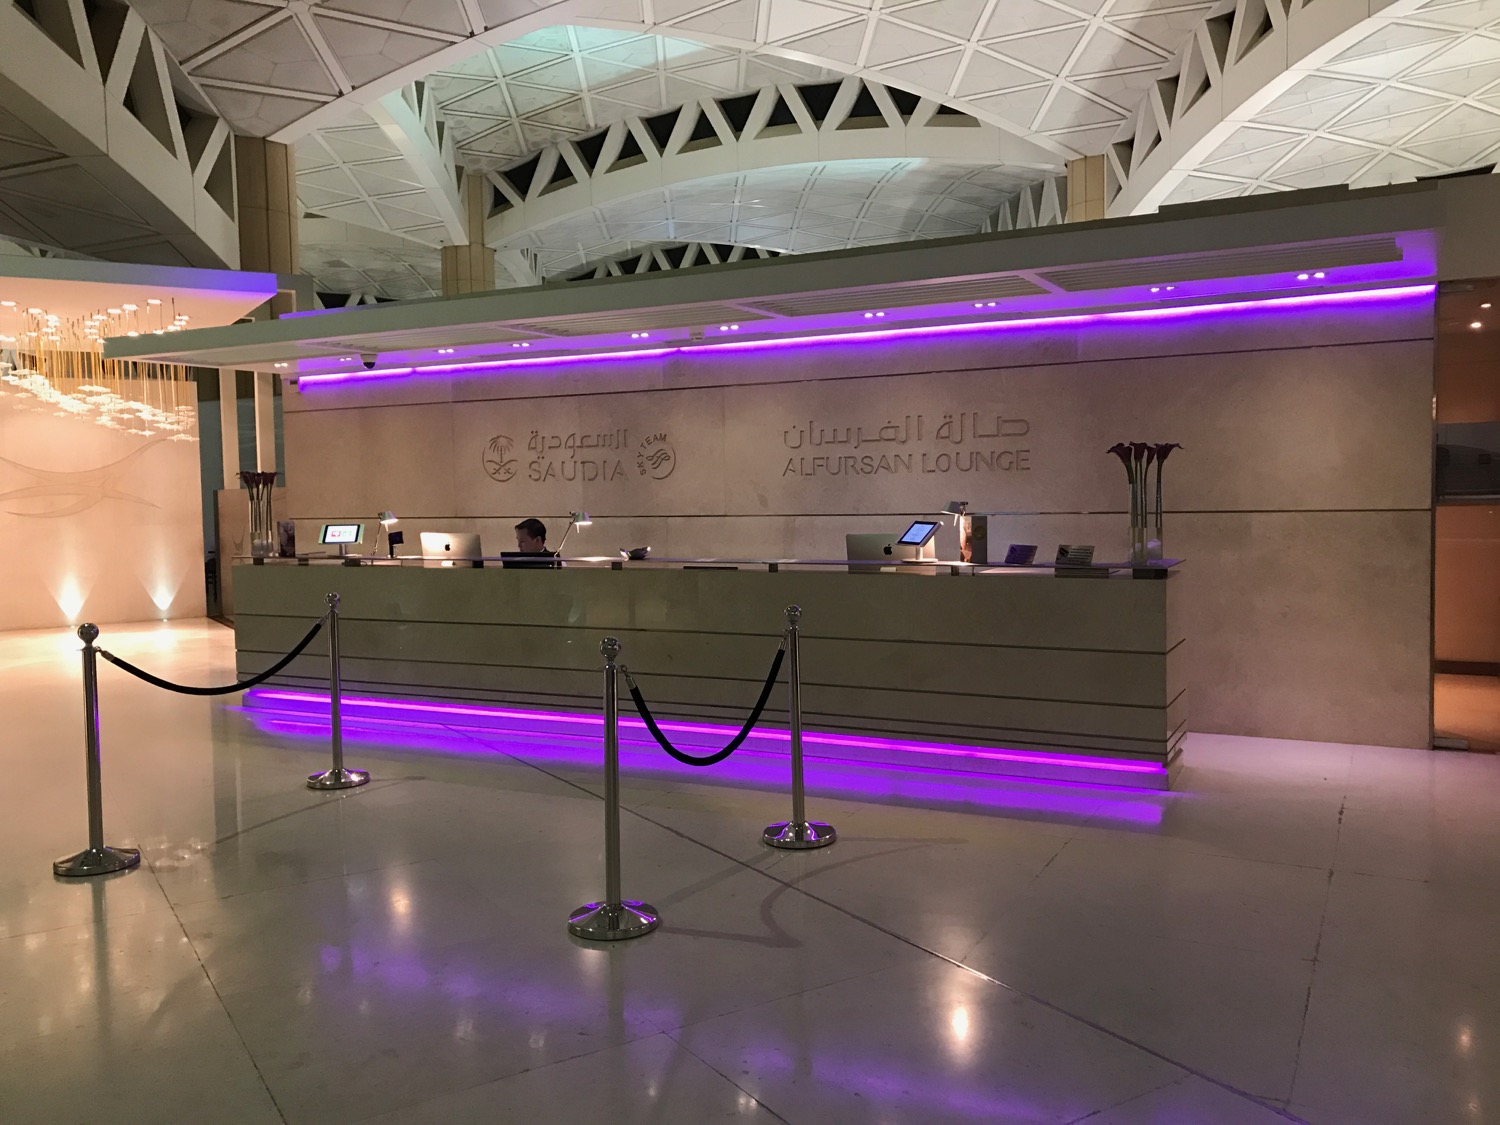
x,y
1145,520
262,525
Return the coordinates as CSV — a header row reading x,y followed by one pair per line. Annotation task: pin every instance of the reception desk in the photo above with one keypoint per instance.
x,y
976,670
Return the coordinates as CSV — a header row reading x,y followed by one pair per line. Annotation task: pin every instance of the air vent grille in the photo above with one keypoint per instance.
x,y
901,296
417,338
1246,263
638,320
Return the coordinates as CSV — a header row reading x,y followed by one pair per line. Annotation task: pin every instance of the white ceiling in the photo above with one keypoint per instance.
x,y
795,209
568,82
1413,96
1064,69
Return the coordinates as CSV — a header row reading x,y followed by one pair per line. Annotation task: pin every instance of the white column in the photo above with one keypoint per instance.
x,y
229,425
265,422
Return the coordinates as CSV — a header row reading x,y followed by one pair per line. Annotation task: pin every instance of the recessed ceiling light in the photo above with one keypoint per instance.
x,y
1476,324
1320,275
278,365
132,333
153,301
112,312
8,304
1303,276
521,345
1483,306
129,308
445,351
868,315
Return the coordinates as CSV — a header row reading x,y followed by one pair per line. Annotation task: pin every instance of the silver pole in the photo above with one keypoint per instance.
x,y
98,858
799,833
794,710
337,777
616,918
335,683
611,652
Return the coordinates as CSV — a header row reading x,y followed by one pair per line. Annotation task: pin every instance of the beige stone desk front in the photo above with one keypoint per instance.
x,y
1077,668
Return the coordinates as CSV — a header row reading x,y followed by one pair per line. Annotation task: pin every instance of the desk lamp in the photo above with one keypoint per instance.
x,y
575,519
386,519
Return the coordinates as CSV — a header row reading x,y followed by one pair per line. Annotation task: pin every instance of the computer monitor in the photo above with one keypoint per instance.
x,y
441,548
919,534
866,548
342,534
529,560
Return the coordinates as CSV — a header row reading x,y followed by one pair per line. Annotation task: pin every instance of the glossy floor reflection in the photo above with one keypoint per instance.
x,y
1300,932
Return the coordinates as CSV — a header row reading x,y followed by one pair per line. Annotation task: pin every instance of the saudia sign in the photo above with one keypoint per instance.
x,y
609,456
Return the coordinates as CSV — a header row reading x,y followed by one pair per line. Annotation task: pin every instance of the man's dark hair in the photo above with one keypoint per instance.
x,y
534,528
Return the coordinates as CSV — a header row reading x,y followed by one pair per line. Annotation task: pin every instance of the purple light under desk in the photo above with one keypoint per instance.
x,y
950,775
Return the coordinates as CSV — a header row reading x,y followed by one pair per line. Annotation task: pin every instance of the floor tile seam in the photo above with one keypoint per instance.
x,y
1178,1081
768,1001
1312,978
449,1091
117,913
1119,1037
758,1101
219,999
282,887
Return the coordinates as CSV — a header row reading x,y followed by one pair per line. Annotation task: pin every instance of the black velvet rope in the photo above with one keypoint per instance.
x,y
243,685
734,743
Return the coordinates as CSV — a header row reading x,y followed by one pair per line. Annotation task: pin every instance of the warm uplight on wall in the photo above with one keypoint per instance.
x,y
70,598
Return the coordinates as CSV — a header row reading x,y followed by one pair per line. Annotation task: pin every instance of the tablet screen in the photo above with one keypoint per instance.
x,y
918,533
340,533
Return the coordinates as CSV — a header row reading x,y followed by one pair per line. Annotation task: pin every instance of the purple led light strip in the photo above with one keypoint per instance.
x,y
808,738
1393,293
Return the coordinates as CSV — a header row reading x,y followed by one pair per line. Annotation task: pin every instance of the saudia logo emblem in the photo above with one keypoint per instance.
x,y
656,458
498,462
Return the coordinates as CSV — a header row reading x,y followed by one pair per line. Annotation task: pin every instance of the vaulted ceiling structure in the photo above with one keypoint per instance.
x,y
606,128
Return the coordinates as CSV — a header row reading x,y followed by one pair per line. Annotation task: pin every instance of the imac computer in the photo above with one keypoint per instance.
x,y
440,548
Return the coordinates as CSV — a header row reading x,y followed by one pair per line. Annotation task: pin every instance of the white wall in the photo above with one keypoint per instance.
x,y
98,525
1301,501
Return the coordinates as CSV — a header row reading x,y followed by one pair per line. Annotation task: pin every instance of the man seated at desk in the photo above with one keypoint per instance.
x,y
531,546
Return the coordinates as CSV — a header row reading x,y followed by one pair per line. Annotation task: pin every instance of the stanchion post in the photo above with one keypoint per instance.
x,y
799,833
98,858
616,918
337,777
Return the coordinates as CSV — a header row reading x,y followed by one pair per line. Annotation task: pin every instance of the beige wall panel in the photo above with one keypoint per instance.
x,y
125,545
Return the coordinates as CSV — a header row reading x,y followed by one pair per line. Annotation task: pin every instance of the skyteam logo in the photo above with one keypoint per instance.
x,y
656,458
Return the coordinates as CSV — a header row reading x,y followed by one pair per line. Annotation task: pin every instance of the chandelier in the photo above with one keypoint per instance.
x,y
54,364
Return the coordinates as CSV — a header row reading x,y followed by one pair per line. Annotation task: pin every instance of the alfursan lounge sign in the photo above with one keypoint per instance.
x,y
965,442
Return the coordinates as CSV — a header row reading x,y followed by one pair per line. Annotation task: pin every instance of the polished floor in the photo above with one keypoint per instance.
x,y
1301,932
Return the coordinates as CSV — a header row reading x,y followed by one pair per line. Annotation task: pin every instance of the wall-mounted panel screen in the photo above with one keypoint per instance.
x,y
341,533
919,533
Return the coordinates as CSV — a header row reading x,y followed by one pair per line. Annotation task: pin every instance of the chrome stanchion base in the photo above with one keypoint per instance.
x,y
338,779
97,861
799,837
600,921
